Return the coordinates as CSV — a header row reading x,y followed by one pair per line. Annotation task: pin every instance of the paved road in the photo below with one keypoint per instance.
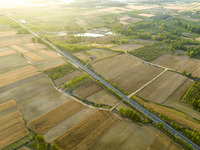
x,y
134,104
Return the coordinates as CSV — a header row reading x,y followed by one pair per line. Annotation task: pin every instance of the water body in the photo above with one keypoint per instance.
x,y
90,35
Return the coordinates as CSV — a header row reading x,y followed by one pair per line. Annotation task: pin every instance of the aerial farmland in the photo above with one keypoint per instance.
x,y
99,75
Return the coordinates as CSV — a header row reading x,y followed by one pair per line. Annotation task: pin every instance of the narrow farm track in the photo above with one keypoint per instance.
x,y
127,99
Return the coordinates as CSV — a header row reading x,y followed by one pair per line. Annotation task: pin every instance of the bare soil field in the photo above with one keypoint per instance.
x,y
61,128
50,119
142,7
11,62
180,63
126,47
198,39
161,88
165,142
50,63
87,89
127,72
15,39
126,135
5,28
12,128
87,132
3,34
82,56
66,78
103,97
17,75
146,15
5,53
35,46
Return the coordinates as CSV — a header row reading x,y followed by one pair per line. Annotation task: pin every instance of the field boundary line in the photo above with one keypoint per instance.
x,y
116,105
147,83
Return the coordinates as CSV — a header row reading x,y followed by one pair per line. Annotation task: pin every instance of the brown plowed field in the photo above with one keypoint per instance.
x,y
34,57
180,63
50,119
17,75
19,49
161,88
49,53
87,132
165,142
35,46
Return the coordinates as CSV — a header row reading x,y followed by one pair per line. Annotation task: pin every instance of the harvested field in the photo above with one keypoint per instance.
x,y
11,129
126,47
15,39
82,56
87,89
7,105
198,39
180,63
165,142
174,100
101,45
12,62
50,54
66,78
19,49
35,46
146,15
50,119
33,57
127,20
5,53
68,123
17,75
103,97
89,131
3,34
50,63
161,88
101,53
142,7
126,136
127,72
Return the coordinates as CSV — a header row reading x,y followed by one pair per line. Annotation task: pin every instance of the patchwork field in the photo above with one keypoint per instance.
x,y
17,75
126,135
87,132
128,20
5,53
180,63
126,47
127,72
147,15
161,88
12,126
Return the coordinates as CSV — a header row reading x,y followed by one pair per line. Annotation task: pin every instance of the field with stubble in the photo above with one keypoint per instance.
x,y
12,127
127,72
161,88
180,63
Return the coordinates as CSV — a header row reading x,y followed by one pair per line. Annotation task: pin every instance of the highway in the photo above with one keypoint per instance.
x,y
134,104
